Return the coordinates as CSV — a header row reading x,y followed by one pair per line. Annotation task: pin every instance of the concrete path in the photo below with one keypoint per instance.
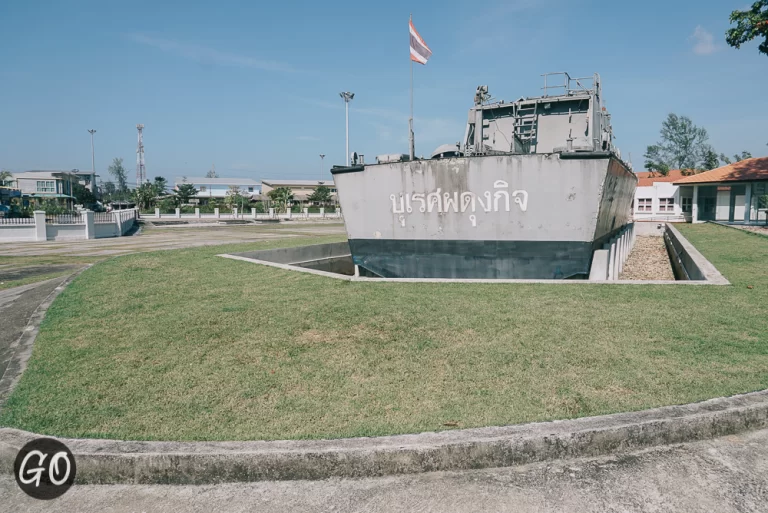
x,y
16,307
725,475
158,238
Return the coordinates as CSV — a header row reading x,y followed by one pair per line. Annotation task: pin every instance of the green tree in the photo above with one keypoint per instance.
x,y
5,176
160,186
683,145
281,196
82,195
144,195
212,173
109,189
711,161
736,157
750,24
117,170
185,191
321,195
234,198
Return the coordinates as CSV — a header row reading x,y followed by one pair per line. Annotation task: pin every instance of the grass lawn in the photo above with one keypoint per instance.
x,y
183,345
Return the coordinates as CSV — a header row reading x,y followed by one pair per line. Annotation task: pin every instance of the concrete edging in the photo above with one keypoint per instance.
x,y
125,462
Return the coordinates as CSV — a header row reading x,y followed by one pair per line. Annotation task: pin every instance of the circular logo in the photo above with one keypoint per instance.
x,y
44,468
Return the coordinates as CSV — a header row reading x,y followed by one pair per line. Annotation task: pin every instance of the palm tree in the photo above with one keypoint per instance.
x,y
282,196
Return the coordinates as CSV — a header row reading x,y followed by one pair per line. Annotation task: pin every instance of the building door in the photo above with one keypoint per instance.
x,y
738,207
723,205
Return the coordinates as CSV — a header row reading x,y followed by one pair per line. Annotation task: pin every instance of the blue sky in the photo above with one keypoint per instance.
x,y
253,86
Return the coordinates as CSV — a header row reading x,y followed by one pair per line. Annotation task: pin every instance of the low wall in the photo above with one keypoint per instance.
x,y
106,230
18,232
65,231
687,262
649,228
300,254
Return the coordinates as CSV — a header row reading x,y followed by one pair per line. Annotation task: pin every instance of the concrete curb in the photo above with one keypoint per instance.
x,y
22,347
119,462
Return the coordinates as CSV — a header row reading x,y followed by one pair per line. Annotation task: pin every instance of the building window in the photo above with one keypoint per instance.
x,y
46,186
666,204
687,204
250,189
202,188
644,204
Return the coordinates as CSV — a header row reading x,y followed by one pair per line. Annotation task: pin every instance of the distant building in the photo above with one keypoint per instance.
x,y
657,198
217,188
39,186
736,193
88,179
301,189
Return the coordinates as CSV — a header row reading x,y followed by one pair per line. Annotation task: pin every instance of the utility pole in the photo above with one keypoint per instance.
x,y
141,171
347,97
322,156
93,161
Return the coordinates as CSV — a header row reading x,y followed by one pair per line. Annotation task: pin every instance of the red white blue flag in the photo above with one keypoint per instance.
x,y
420,52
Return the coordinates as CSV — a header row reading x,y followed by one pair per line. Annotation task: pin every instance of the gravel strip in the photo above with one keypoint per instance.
x,y
648,260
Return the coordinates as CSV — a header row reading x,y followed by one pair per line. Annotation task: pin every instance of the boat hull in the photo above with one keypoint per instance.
x,y
509,216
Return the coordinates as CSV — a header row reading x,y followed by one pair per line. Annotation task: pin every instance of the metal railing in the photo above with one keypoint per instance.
x,y
64,219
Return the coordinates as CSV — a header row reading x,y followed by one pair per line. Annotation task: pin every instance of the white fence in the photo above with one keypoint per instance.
x,y
85,225
252,215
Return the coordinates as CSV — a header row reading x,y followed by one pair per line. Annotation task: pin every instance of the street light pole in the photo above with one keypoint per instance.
x,y
93,161
347,97
322,156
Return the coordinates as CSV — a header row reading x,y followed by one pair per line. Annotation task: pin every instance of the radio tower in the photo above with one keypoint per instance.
x,y
141,171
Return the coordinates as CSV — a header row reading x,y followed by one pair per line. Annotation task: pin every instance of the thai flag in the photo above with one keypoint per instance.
x,y
420,52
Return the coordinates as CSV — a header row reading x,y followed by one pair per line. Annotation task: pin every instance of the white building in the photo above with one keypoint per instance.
x,y
217,188
657,198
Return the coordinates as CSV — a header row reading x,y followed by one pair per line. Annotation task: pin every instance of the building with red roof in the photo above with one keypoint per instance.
x,y
736,193
657,198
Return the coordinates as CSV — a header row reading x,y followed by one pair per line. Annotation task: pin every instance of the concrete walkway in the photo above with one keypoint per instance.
x,y
16,307
725,475
158,238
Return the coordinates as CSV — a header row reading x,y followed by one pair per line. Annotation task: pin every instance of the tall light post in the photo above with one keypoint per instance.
x,y
93,161
347,97
322,156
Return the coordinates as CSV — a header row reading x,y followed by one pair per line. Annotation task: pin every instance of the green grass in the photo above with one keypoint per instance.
x,y
183,345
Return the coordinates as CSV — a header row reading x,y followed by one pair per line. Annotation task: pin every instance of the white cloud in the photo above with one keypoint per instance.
x,y
207,55
703,41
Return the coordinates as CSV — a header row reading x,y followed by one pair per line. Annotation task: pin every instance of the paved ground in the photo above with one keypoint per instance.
x,y
16,307
172,237
725,475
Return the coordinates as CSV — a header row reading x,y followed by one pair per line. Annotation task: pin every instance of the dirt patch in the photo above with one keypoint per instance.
x,y
21,273
648,260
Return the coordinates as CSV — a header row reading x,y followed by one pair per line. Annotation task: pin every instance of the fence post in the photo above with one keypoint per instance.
x,y
234,212
253,213
216,212
118,222
271,213
40,230
157,212
197,213
178,212
90,233
322,212
289,212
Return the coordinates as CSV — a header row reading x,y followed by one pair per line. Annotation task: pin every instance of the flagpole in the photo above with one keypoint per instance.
x,y
411,141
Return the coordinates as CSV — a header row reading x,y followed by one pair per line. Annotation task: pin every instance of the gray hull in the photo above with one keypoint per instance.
x,y
508,216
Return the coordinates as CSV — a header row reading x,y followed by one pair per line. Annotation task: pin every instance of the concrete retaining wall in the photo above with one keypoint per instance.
x,y
300,254
687,262
105,230
607,263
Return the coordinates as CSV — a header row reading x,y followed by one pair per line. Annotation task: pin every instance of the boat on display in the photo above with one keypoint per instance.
x,y
531,191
